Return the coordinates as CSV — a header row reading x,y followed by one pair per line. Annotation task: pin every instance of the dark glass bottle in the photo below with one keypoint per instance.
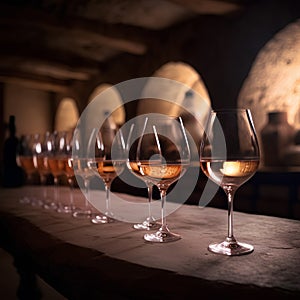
x,y
277,135
12,174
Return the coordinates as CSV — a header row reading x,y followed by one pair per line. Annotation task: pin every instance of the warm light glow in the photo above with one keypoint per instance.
x,y
239,168
185,74
115,101
38,148
67,115
193,96
232,168
273,83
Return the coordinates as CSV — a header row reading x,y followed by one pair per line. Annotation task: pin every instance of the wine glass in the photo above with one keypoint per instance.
x,y
80,164
132,164
25,161
55,154
65,163
163,156
229,156
109,161
40,162
51,202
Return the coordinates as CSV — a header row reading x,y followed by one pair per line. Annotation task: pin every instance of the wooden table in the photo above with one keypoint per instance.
x,y
86,261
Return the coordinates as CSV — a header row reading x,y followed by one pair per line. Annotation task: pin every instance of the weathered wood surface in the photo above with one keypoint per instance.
x,y
81,259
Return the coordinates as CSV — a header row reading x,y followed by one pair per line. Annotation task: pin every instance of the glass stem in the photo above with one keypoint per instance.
x,y
71,184
44,183
107,190
150,189
56,190
29,179
230,192
43,179
28,183
87,192
45,193
163,194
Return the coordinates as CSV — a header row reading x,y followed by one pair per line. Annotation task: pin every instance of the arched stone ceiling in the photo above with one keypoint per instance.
x,y
273,83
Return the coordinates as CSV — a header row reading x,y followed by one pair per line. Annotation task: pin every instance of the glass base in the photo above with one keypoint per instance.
x,y
162,236
50,205
147,225
25,200
231,248
36,202
64,209
101,219
81,213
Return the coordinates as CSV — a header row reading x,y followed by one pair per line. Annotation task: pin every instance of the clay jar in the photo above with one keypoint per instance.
x,y
277,135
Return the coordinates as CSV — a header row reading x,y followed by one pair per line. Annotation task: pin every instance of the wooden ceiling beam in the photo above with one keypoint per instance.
x,y
123,37
35,82
51,69
212,7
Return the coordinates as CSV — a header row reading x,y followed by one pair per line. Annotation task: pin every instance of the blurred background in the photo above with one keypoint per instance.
x,y
56,55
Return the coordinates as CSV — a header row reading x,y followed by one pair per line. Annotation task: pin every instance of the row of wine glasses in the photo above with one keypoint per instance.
x,y
157,151
48,155
229,156
57,154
